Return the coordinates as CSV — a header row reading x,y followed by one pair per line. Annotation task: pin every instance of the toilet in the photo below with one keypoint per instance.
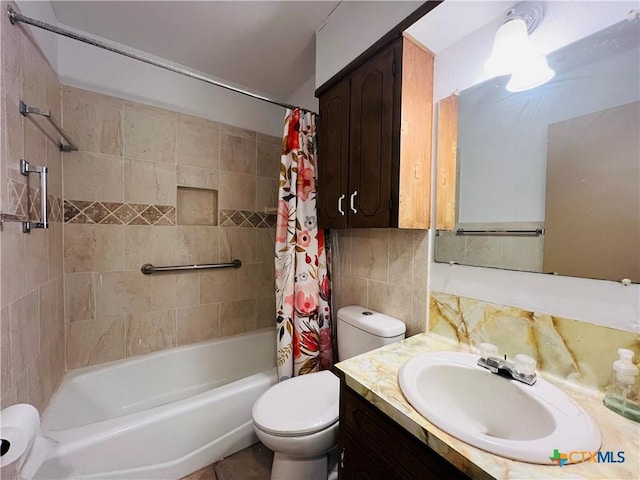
x,y
298,418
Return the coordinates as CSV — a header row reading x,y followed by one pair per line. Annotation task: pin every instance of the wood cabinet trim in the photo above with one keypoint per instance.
x,y
416,122
447,163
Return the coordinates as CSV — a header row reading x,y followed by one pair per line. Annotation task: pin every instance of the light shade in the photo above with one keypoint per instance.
x,y
511,47
530,74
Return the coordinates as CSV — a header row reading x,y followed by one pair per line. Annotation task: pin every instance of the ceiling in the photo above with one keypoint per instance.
x,y
265,46
453,20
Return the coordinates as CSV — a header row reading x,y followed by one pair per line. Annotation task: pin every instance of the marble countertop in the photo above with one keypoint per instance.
x,y
374,375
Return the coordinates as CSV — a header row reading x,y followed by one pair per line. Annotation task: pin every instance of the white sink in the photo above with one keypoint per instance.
x,y
496,414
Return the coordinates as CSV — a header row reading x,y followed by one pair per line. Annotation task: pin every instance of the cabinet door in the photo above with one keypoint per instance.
x,y
375,447
370,150
333,156
357,464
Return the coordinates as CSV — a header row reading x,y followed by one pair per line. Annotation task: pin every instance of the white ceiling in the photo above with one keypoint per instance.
x,y
266,46
453,20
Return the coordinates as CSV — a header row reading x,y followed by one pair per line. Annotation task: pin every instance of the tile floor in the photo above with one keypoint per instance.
x,y
253,463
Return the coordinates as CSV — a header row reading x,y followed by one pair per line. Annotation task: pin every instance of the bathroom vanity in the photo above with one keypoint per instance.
x,y
383,436
374,446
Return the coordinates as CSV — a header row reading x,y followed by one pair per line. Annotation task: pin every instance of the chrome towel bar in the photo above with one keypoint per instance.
x,y
515,233
69,146
25,169
148,269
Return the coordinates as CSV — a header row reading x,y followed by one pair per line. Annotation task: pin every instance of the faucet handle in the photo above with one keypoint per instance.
x,y
524,364
488,350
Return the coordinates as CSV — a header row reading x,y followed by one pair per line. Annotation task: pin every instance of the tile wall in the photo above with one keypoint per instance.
x,y
508,252
31,276
382,269
121,210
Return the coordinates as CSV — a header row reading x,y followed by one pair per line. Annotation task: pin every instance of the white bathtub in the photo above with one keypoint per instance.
x,y
162,415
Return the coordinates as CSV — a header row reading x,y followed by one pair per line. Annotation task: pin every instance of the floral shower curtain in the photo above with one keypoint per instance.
x,y
302,278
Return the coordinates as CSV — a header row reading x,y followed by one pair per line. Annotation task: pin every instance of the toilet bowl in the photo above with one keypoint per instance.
x,y
298,420
298,417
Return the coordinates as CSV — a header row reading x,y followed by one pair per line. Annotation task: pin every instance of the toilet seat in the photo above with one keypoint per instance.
x,y
299,406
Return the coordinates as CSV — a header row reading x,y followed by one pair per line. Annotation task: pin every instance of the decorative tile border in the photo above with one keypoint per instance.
x,y
54,208
17,198
23,203
9,217
247,218
117,213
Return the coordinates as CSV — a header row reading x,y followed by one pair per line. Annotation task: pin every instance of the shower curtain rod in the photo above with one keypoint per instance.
x,y
17,17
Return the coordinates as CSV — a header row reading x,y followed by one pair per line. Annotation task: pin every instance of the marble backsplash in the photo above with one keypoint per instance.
x,y
580,352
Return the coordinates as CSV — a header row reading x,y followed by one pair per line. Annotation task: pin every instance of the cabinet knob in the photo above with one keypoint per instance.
x,y
340,204
352,201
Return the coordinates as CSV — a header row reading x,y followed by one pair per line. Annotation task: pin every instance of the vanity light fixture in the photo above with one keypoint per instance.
x,y
530,75
513,53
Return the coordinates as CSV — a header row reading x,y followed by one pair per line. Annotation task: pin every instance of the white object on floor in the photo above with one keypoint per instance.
x,y
22,440
298,417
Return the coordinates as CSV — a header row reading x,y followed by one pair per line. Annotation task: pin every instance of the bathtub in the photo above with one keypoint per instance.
x,y
162,415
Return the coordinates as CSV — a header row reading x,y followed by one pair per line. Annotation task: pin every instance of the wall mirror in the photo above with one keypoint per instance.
x,y
562,159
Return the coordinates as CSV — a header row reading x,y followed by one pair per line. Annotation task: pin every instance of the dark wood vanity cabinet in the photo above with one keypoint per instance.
x,y
374,141
372,446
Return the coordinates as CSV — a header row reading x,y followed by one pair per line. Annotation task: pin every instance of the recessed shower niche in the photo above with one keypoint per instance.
x,y
197,206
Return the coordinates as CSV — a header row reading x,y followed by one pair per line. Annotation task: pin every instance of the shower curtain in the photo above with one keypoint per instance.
x,y
302,279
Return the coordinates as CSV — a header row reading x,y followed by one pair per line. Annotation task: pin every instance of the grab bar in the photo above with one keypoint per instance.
x,y
25,169
69,146
148,269
515,233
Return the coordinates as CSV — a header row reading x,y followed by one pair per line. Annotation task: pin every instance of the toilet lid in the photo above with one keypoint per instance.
x,y
299,405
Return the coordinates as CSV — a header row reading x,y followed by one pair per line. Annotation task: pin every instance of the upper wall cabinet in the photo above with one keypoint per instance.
x,y
333,158
375,141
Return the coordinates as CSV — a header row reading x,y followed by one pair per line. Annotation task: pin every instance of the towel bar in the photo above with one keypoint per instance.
x,y
148,269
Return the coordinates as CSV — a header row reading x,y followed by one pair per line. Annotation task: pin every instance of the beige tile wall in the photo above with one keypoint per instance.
x,y
197,206
31,277
509,252
139,154
382,269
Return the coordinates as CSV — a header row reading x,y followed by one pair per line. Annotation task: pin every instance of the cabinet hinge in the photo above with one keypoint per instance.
x,y
394,68
391,204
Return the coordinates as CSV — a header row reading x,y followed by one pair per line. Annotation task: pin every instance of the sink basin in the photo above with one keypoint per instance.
x,y
499,415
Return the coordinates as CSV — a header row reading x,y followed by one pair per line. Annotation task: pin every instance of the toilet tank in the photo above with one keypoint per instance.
x,y
361,329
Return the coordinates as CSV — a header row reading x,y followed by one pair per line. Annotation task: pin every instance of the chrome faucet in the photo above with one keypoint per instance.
x,y
523,369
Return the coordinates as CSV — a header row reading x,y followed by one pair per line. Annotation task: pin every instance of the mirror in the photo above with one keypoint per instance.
x,y
548,180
